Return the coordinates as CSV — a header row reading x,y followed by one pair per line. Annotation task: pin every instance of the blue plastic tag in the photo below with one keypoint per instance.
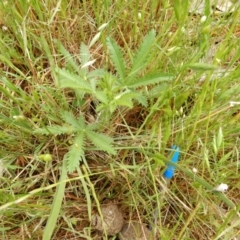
x,y
169,173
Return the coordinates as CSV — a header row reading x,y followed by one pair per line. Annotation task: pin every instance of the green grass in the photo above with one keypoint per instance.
x,y
106,88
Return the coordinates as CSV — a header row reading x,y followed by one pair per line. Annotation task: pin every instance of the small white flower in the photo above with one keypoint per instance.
x,y
194,170
139,15
203,19
4,28
221,188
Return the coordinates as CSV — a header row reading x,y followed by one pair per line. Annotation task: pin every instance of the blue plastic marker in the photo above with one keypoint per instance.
x,y
167,175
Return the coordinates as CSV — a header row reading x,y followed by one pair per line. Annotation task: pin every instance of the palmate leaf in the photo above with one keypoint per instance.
x,y
101,141
116,57
140,59
150,79
76,151
73,81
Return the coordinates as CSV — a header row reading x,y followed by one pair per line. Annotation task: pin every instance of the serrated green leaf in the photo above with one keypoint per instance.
x,y
140,59
73,81
76,151
142,100
202,66
84,54
97,73
70,119
101,96
150,79
68,57
127,102
125,99
55,130
81,122
112,107
116,57
101,141
93,83
155,91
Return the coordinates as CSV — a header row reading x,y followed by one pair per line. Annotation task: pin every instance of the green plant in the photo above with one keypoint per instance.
x,y
199,111
81,132
111,91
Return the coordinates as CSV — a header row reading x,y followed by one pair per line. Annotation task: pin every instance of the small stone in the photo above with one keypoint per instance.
x,y
135,231
112,220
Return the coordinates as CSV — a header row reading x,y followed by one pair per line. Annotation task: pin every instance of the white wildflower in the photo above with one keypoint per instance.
x,y
221,188
139,15
4,28
195,170
203,18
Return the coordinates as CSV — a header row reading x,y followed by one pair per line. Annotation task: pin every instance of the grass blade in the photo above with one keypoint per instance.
x,y
57,204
